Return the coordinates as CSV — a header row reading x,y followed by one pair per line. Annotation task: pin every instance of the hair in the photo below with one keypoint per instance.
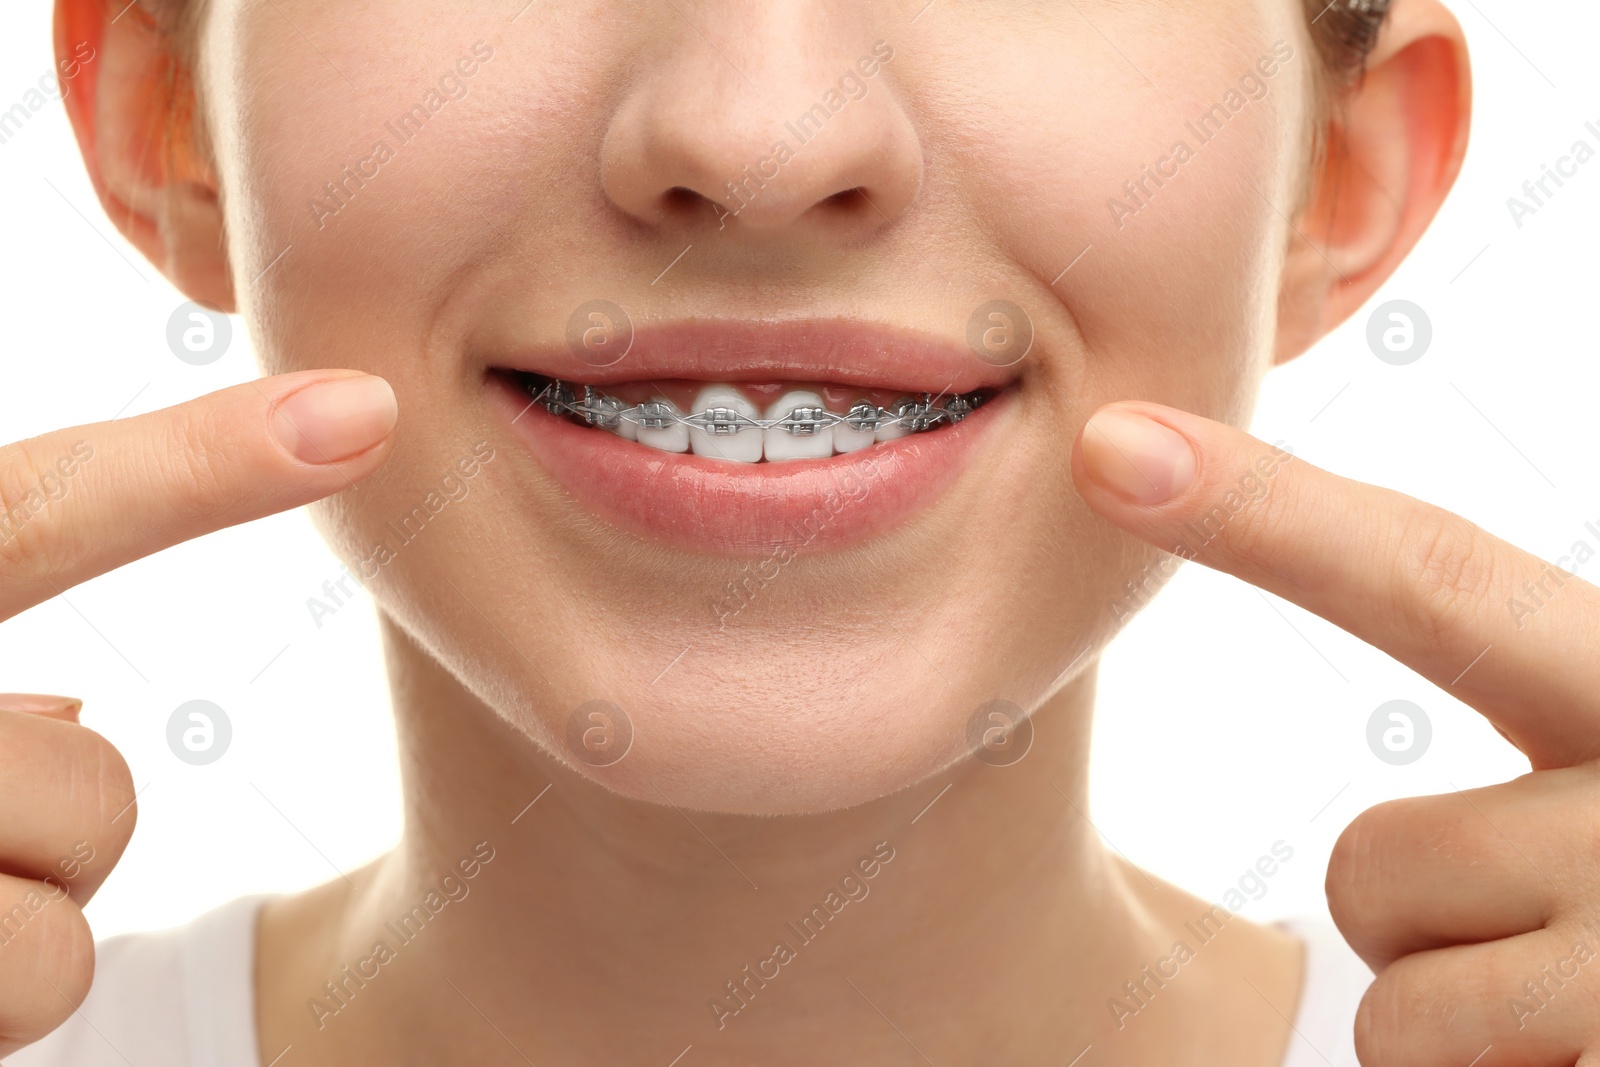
x,y
1344,32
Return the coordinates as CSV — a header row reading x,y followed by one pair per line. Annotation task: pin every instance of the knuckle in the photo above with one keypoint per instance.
x,y
1445,569
66,945
48,953
1382,1019
83,794
1417,997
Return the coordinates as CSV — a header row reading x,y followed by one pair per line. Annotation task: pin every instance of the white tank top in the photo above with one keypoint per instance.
x,y
185,997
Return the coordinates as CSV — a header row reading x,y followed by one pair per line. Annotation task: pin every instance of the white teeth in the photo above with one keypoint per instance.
x,y
889,431
847,440
741,447
720,406
675,438
781,444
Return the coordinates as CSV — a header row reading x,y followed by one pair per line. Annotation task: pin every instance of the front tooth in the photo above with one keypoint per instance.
x,y
781,444
674,438
741,447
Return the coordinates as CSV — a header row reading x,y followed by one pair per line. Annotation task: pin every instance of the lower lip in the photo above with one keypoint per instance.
x,y
708,505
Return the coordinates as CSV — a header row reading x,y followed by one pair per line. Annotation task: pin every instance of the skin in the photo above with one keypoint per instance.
x,y
607,918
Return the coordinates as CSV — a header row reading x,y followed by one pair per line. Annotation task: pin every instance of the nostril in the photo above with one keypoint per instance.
x,y
681,200
684,204
852,199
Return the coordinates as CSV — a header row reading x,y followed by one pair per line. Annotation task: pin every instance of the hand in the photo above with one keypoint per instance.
x,y
1479,911
80,502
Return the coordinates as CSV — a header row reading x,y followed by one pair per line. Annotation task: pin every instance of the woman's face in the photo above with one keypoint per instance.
x,y
433,189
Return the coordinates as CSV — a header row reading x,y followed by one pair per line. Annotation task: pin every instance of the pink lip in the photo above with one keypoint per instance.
x,y
757,509
847,351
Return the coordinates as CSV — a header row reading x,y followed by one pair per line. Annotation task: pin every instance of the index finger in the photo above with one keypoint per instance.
x,y
77,503
1500,629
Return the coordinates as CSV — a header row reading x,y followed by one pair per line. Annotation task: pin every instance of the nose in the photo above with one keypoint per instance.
x,y
773,120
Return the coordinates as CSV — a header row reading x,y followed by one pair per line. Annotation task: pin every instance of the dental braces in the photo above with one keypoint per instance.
x,y
607,412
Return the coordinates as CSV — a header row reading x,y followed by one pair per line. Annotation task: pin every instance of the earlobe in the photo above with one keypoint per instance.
x,y
134,121
1395,146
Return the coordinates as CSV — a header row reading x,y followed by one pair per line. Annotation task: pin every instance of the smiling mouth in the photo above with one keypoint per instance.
x,y
749,422
742,437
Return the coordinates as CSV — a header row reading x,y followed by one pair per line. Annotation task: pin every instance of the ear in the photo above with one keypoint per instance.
x,y
1395,145
131,105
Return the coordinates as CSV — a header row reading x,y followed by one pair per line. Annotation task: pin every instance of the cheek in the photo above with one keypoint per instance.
x,y
387,164
1167,201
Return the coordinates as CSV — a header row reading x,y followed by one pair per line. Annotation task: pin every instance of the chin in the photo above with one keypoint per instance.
x,y
760,734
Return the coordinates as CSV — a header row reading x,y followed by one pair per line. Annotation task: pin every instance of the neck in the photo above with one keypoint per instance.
x,y
527,907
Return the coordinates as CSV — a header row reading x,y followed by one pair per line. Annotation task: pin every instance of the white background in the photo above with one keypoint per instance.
x,y
1228,720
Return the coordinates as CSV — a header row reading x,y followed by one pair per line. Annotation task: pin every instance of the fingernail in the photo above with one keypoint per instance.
x,y
336,419
40,704
1138,459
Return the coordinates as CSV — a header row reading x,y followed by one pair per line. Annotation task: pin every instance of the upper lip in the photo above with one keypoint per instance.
x,y
846,351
